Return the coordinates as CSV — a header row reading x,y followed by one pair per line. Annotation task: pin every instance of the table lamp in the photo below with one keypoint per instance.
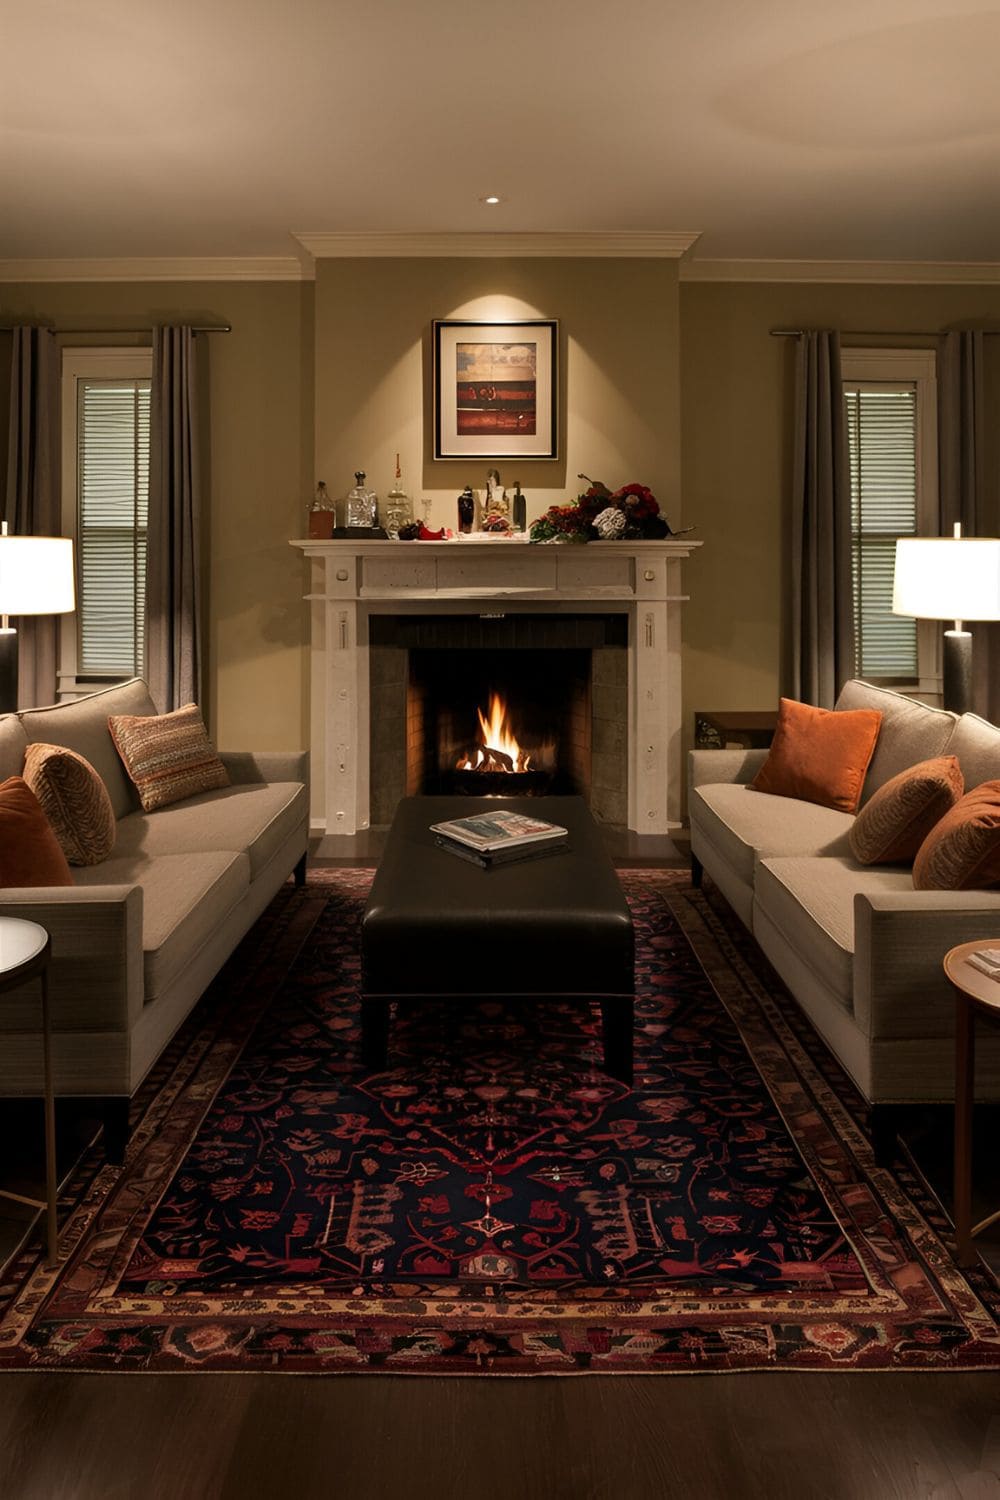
x,y
36,578
949,578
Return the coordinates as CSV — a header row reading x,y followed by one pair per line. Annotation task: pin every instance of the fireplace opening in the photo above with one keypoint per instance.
x,y
499,723
447,689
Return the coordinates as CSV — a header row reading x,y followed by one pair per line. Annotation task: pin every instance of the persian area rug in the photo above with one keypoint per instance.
x,y
494,1203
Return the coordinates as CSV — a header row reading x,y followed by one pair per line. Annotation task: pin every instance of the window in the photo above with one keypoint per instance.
x,y
105,412
891,416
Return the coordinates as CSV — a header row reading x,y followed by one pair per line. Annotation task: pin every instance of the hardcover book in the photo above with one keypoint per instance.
x,y
490,833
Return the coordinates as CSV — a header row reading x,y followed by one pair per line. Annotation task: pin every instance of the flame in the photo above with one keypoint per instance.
x,y
499,750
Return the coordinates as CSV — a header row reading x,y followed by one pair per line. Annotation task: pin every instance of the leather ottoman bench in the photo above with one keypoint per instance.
x,y
554,927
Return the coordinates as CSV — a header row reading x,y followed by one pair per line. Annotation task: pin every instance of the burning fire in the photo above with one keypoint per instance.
x,y
499,750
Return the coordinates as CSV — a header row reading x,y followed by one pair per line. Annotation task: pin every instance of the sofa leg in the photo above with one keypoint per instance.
x,y
883,1120
697,872
115,1112
300,871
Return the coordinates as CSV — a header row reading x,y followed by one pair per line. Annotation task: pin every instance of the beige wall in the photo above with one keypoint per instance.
x,y
620,377
736,384
259,473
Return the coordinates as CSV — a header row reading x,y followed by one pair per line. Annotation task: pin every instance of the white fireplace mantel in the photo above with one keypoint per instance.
x,y
351,581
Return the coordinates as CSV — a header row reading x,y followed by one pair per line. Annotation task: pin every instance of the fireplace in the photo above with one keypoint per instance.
x,y
366,708
499,705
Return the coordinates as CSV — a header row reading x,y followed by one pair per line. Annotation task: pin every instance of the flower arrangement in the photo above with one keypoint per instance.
x,y
600,515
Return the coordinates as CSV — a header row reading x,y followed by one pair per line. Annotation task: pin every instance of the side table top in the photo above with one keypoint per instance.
x,y
20,943
970,980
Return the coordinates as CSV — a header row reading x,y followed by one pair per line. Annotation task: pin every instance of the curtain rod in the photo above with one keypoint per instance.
x,y
146,328
884,333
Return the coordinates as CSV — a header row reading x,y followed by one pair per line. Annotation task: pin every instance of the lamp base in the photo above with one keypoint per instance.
x,y
958,671
8,670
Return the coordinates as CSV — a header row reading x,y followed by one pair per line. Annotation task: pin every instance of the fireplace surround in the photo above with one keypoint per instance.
x,y
490,593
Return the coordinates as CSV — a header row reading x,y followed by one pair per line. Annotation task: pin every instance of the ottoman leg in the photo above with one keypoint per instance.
x,y
374,1033
617,1018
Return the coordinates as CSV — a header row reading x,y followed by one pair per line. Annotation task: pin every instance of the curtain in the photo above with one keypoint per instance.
x,y
173,614
32,499
962,491
822,585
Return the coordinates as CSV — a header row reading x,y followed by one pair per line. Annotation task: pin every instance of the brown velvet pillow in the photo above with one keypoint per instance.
x,y
820,755
898,817
29,850
168,756
962,851
75,801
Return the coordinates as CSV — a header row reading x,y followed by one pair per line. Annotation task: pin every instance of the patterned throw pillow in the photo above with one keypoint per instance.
x,y
962,851
74,799
29,850
820,755
168,756
898,817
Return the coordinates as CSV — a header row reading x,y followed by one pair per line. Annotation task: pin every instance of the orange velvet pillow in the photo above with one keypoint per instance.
x,y
820,755
897,818
29,850
962,851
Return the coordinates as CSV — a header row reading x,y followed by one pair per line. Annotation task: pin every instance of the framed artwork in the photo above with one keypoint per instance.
x,y
496,389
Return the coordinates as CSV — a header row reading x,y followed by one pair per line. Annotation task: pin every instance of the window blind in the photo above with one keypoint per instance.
x,y
882,435
113,497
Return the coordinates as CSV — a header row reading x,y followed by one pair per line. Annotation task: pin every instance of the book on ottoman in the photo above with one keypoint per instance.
x,y
498,838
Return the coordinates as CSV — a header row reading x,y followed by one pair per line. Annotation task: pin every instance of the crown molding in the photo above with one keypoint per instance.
x,y
897,272
159,268
627,244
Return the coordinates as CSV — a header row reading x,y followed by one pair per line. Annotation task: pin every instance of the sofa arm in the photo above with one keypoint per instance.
x,y
900,940
95,974
709,767
245,766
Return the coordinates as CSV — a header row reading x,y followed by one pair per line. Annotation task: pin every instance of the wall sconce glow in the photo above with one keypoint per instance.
x,y
491,198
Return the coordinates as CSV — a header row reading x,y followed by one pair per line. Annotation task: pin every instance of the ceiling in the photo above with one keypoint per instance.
x,y
791,129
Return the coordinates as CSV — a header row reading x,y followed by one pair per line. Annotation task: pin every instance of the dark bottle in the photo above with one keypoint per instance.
x,y
466,509
519,508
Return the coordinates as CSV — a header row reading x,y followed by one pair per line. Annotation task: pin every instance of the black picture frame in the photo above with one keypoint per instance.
x,y
496,389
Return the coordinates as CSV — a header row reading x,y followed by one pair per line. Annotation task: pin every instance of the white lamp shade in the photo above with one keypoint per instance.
x,y
36,575
947,578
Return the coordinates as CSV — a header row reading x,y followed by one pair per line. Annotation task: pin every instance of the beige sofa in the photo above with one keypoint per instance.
x,y
138,937
858,947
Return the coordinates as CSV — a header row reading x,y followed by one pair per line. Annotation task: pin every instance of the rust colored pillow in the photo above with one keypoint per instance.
x,y
962,851
75,801
898,817
820,755
29,850
168,756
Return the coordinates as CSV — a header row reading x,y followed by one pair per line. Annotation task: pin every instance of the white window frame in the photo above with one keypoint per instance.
x,y
85,363
916,367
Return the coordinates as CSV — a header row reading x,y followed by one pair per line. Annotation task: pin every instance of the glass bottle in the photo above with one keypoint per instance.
x,y
466,509
519,508
398,510
362,503
322,514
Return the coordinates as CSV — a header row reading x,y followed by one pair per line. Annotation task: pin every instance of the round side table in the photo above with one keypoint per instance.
x,y
25,949
976,994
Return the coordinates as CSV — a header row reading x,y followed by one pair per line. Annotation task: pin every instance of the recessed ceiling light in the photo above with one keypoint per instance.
x,y
491,198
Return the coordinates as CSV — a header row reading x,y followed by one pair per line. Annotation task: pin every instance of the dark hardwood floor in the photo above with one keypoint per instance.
x,y
935,1436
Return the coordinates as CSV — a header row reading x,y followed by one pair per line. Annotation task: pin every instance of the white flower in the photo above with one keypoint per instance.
x,y
609,524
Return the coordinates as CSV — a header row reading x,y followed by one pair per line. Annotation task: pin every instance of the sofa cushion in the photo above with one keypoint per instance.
x,y
75,801
742,823
818,755
911,731
977,745
13,743
894,822
255,817
962,851
29,850
811,901
185,898
83,726
168,756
